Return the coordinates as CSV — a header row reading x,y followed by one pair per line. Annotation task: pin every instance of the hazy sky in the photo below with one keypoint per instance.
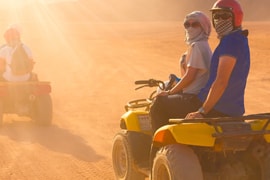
x,y
144,10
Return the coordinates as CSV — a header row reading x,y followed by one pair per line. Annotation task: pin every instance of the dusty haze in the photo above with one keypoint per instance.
x,y
140,10
92,52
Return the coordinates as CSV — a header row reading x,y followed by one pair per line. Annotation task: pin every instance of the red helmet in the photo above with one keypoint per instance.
x,y
230,5
11,34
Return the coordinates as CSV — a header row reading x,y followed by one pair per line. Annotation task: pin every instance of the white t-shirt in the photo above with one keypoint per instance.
x,y
200,58
6,53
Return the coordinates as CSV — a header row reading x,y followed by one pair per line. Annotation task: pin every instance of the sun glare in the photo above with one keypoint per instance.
x,y
19,3
9,3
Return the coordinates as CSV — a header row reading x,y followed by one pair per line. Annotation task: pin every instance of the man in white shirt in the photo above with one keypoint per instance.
x,y
13,39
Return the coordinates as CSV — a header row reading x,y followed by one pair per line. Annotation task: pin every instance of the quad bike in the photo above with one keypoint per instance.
x,y
31,99
190,149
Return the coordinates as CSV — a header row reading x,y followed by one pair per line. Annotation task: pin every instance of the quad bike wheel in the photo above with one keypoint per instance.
x,y
176,162
123,162
233,171
42,110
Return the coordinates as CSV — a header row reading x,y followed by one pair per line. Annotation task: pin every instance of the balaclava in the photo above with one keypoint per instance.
x,y
197,34
223,27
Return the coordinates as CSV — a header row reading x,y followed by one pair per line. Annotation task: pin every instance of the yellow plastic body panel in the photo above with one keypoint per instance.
x,y
258,125
197,134
131,119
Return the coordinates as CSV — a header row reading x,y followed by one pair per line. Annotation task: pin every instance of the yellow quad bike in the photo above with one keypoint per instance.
x,y
191,149
30,99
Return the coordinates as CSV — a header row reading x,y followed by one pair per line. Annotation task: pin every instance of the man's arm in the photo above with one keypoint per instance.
x,y
32,64
187,79
225,68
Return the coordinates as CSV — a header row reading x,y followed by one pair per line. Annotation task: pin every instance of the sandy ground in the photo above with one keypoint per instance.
x,y
92,67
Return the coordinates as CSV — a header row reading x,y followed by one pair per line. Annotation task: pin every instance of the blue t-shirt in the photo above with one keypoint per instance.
x,y
231,102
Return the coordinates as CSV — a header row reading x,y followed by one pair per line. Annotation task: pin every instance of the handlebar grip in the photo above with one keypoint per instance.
x,y
151,83
142,82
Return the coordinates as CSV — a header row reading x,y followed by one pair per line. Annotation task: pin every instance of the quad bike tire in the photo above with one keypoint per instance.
x,y
123,161
176,162
42,110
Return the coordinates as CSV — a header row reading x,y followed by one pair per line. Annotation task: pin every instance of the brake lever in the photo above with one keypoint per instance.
x,y
140,87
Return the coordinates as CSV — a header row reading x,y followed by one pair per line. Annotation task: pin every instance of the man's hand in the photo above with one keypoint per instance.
x,y
194,115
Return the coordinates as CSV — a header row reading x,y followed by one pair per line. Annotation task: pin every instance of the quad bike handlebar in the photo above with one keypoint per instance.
x,y
150,83
146,102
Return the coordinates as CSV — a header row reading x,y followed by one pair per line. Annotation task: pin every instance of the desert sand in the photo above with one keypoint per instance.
x,y
92,66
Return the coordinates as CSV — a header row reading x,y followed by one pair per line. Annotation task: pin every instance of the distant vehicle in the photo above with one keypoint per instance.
x,y
31,99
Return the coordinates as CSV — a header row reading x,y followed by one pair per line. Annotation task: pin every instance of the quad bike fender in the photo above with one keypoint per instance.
x,y
137,121
41,88
197,134
257,125
140,145
202,134
35,88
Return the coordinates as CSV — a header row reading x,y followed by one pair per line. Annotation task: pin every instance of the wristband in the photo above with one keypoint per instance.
x,y
202,111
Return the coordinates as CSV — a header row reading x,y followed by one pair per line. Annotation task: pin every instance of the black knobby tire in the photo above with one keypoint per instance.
x,y
42,110
123,161
234,171
176,162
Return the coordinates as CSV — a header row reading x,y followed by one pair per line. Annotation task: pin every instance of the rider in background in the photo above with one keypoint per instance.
x,y
12,37
195,62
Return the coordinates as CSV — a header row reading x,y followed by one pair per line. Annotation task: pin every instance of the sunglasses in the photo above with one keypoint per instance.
x,y
194,25
223,16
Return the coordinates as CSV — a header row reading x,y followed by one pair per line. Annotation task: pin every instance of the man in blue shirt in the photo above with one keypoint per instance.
x,y
229,70
223,94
